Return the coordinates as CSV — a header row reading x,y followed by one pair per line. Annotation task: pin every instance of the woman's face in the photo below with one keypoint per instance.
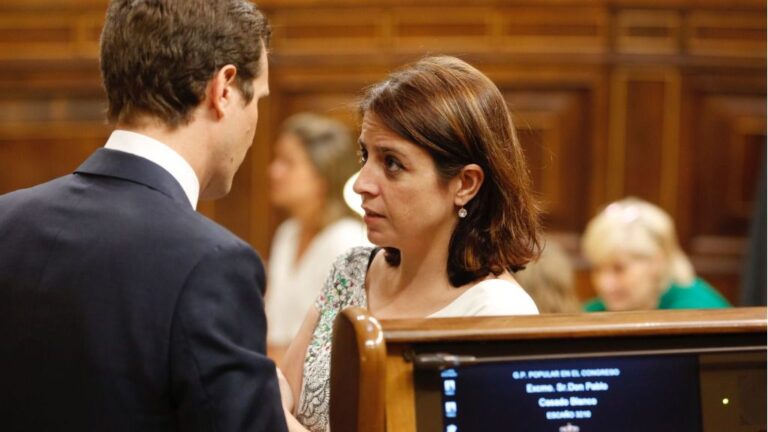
x,y
294,181
405,203
629,282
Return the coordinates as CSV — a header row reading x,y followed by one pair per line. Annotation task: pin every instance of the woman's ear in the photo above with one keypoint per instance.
x,y
469,180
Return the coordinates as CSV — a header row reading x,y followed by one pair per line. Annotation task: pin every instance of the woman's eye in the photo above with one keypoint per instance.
x,y
392,164
362,156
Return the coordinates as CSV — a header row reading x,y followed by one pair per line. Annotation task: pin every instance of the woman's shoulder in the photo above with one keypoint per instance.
x,y
345,284
491,297
287,228
354,257
697,295
506,295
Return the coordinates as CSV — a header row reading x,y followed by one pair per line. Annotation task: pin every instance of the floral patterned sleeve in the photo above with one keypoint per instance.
x,y
322,299
344,286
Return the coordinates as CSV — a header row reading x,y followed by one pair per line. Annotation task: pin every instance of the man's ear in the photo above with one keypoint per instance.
x,y
469,180
221,89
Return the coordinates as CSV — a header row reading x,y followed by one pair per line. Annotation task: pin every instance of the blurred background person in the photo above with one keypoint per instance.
x,y
314,157
549,281
637,263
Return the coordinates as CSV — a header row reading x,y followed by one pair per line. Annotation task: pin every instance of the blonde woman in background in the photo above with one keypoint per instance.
x,y
549,281
637,263
314,157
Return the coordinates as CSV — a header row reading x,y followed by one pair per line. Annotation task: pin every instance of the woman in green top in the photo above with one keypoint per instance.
x,y
637,263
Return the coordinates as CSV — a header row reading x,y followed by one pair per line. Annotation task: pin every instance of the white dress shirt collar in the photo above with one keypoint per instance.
x,y
161,154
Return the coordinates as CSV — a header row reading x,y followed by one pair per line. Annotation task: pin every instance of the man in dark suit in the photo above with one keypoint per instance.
x,y
121,307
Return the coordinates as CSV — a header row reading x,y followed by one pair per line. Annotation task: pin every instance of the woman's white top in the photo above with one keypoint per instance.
x,y
491,297
346,287
292,286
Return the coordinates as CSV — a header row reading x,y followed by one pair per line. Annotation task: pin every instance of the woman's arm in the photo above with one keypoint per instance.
x,y
287,398
292,368
292,364
293,424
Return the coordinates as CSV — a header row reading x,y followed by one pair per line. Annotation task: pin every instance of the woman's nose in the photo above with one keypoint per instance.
x,y
606,282
364,184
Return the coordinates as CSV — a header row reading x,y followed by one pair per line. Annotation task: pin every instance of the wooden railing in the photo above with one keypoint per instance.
x,y
372,385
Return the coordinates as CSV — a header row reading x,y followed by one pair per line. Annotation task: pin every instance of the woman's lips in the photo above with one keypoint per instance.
x,y
371,215
369,212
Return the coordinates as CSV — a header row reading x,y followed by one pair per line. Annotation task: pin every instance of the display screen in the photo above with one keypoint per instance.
x,y
605,394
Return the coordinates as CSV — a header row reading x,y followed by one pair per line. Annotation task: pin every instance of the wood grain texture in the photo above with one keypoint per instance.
x,y
496,337
358,373
664,99
641,323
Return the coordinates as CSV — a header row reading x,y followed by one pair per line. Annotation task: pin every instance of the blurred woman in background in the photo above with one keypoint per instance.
x,y
314,157
637,263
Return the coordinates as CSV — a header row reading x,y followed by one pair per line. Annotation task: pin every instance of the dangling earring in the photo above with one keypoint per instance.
x,y
462,213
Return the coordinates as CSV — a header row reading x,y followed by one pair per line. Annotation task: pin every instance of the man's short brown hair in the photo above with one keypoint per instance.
x,y
157,56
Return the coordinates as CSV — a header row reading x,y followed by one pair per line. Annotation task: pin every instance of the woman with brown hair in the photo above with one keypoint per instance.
x,y
447,199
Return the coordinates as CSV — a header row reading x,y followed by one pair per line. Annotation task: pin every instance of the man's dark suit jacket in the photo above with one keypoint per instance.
x,y
123,309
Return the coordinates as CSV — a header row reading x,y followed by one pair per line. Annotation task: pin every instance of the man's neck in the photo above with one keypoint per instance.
x,y
178,139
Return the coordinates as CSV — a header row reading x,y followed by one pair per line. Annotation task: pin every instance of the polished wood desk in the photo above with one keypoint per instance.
x,y
373,363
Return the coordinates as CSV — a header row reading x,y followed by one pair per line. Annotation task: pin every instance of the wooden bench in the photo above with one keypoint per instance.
x,y
375,365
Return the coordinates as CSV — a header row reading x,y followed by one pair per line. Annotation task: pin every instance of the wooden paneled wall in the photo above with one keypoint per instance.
x,y
665,100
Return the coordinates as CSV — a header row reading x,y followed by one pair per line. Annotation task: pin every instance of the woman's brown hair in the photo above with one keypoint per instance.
x,y
329,146
459,117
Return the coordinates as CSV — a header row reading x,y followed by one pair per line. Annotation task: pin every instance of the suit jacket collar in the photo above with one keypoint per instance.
x,y
125,166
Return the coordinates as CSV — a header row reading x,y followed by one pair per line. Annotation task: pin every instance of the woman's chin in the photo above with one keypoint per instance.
x,y
375,240
379,240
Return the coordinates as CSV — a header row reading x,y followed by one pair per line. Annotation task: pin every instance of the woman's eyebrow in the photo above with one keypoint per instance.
x,y
382,148
389,149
